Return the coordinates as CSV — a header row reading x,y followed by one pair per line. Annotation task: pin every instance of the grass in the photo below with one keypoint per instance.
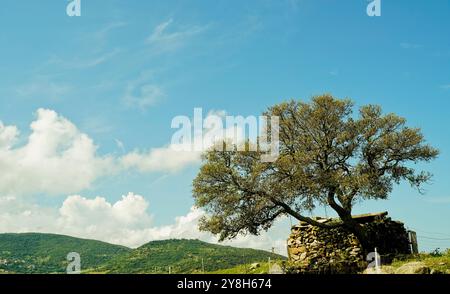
x,y
248,269
183,256
438,261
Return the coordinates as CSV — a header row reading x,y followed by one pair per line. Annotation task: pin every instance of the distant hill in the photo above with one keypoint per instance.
x,y
184,256
46,253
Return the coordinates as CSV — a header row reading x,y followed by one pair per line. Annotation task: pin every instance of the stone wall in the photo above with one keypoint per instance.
x,y
317,250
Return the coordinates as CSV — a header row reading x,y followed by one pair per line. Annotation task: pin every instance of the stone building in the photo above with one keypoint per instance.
x,y
317,250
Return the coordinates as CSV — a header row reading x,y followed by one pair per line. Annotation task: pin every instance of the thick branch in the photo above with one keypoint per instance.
x,y
343,214
300,217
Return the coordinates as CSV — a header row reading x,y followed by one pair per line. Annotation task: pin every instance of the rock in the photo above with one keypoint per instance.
x,y
297,250
413,268
317,250
303,256
276,270
383,270
254,266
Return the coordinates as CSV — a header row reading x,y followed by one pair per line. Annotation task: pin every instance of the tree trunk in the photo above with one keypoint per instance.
x,y
361,234
349,222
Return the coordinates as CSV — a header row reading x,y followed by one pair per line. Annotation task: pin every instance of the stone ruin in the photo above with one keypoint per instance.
x,y
317,250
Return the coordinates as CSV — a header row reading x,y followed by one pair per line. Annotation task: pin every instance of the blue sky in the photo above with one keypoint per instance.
x,y
124,69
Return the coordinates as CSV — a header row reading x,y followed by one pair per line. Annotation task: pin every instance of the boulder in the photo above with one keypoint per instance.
x,y
254,266
383,270
413,268
276,270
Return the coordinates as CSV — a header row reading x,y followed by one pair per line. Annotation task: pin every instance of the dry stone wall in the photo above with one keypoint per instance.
x,y
317,250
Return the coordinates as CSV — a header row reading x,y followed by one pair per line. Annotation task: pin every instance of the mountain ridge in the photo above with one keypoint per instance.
x,y
47,253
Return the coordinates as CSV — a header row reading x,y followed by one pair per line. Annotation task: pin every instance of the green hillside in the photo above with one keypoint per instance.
x,y
184,256
47,253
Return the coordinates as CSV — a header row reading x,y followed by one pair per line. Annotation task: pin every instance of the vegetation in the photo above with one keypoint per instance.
x,y
183,256
263,268
438,261
328,156
46,253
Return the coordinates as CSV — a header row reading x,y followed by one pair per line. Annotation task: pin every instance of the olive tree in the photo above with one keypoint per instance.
x,y
329,155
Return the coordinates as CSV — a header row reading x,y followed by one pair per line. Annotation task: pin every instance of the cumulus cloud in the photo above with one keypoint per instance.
x,y
96,218
126,222
57,158
17,216
179,154
8,136
130,210
166,159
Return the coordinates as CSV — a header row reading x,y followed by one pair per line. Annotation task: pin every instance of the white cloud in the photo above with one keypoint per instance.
x,y
18,216
86,62
143,96
101,34
126,222
142,92
178,155
59,159
164,39
187,227
98,39
123,222
120,145
56,159
43,86
8,136
160,159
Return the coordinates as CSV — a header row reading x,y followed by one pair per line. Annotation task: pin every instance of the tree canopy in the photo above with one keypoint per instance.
x,y
328,156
